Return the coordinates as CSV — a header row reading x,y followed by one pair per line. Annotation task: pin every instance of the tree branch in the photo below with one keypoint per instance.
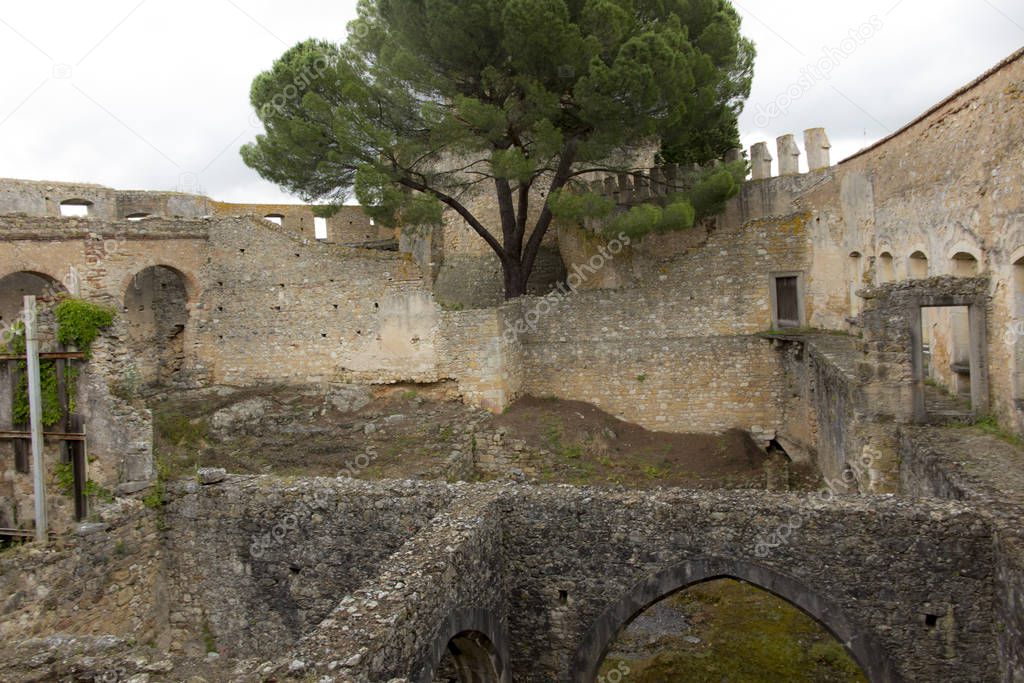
x,y
459,209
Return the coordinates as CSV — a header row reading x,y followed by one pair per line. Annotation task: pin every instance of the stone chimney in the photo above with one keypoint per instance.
x,y
789,155
817,145
760,161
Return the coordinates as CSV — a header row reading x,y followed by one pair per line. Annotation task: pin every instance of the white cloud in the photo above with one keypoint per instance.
x,y
136,94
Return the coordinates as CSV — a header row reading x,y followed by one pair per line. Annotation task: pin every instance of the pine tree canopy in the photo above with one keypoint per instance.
x,y
429,99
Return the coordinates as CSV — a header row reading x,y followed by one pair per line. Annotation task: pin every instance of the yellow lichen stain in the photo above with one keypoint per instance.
x,y
793,224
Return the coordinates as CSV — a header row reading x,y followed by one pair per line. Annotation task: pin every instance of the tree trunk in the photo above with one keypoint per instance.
x,y
516,278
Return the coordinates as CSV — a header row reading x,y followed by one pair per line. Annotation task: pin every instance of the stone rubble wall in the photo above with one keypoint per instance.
x,y
103,579
367,581
399,624
934,463
828,418
258,562
569,555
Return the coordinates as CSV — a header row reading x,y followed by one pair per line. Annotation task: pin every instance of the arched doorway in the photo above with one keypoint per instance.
x,y
470,657
156,317
859,643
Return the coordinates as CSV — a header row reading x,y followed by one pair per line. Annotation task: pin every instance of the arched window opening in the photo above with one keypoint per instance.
x,y
964,264
16,286
885,271
156,316
855,275
274,218
917,266
75,208
469,658
320,227
137,216
725,629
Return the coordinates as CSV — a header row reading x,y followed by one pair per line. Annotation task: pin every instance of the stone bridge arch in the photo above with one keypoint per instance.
x,y
858,641
478,643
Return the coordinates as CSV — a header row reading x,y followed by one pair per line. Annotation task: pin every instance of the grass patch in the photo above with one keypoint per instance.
x,y
989,424
746,634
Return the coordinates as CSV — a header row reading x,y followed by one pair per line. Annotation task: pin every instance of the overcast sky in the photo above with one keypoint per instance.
x,y
154,94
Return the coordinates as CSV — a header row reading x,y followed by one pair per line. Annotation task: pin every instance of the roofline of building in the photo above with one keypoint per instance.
x,y
967,88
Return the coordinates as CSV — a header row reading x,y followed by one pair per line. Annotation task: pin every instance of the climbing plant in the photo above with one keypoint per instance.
x,y
78,324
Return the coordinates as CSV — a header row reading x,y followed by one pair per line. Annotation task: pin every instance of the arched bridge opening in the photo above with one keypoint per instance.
x,y
857,641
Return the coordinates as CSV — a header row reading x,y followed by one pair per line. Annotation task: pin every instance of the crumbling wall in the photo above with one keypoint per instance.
x,y
104,578
477,348
932,465
321,313
257,562
828,418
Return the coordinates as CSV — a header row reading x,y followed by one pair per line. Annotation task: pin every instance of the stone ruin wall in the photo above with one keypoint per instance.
x,y
677,350
566,555
950,182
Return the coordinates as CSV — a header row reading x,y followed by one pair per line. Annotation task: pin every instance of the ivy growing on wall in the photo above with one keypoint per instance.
x,y
78,324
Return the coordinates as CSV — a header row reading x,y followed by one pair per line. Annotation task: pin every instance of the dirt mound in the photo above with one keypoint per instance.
x,y
426,432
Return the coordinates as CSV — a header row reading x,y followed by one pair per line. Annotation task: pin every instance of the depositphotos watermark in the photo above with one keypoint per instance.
x,y
581,272
764,545
817,71
300,83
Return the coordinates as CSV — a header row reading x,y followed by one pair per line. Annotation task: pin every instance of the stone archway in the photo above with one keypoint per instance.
x,y
859,642
14,286
156,318
470,647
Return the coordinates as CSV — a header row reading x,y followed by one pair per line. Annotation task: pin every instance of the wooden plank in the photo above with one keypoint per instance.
x,y
76,449
13,434
22,533
50,355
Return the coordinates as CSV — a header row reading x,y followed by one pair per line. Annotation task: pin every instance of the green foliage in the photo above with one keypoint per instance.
x,y
209,640
20,408
989,424
431,98
572,207
64,478
80,322
647,218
